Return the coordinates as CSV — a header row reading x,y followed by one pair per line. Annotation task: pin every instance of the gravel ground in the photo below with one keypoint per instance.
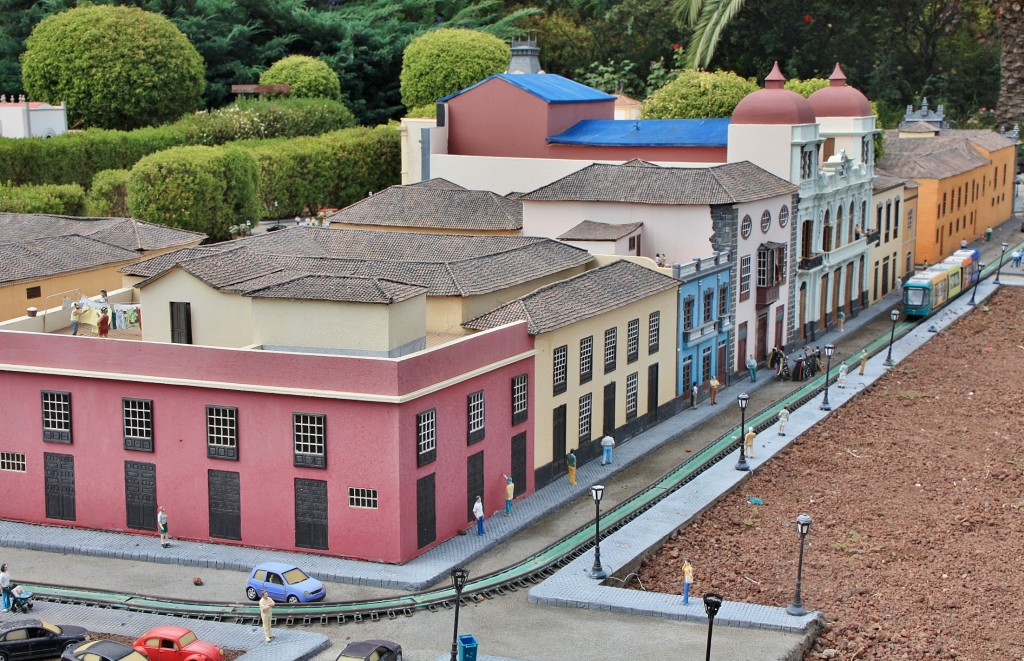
x,y
916,491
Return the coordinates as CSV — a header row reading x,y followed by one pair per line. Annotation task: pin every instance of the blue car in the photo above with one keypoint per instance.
x,y
283,582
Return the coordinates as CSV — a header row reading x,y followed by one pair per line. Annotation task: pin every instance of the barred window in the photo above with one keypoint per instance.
x,y
632,340
705,364
723,301
310,434
138,424
475,406
765,268
654,331
709,305
56,416
586,358
12,461
745,226
745,278
631,390
784,216
560,368
520,399
426,437
585,406
611,339
362,498
222,432
688,313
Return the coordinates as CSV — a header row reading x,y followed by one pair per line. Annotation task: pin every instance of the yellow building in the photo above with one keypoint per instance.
x,y
605,358
890,233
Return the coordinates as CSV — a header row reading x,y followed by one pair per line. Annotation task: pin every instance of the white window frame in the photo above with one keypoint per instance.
x,y
362,498
632,390
586,408
13,462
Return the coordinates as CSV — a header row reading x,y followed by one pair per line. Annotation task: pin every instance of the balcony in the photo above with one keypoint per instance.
x,y
697,332
725,323
808,263
872,236
767,295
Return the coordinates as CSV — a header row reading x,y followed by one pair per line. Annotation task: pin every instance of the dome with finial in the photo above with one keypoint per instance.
x,y
774,104
839,99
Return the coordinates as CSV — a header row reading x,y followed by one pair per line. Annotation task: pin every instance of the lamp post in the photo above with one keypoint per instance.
x,y
1002,254
742,399
459,576
597,571
829,350
894,314
981,267
712,602
803,524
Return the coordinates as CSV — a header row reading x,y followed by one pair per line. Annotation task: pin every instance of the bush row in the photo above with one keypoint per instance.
x,y
75,158
64,200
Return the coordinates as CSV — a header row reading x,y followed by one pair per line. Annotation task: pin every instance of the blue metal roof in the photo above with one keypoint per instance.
x,y
646,133
550,87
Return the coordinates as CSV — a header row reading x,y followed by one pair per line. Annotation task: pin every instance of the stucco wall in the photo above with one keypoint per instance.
x,y
14,300
218,319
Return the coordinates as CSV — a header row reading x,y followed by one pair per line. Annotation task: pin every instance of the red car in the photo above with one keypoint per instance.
x,y
176,644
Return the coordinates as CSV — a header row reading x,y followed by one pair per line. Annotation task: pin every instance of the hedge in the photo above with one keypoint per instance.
x,y
108,197
65,200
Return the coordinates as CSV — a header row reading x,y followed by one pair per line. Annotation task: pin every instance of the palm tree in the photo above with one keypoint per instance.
x,y
707,18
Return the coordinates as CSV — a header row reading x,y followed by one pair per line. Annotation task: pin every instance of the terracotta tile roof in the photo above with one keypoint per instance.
x,y
440,205
53,255
646,183
125,233
341,288
151,266
584,296
886,181
930,158
590,230
988,140
918,127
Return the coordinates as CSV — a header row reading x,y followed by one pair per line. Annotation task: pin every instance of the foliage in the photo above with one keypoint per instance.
x,y
114,67
309,77
444,61
807,87
698,94
108,196
426,110
66,200
614,78
259,118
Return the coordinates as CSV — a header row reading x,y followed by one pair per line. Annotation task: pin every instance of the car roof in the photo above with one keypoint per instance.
x,y
364,646
107,648
166,631
19,624
275,566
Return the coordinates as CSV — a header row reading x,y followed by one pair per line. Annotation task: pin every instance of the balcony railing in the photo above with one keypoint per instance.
x,y
725,323
697,332
808,263
767,295
872,236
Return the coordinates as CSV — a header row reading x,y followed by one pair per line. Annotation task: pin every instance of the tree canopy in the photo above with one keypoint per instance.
x,y
308,77
697,94
444,61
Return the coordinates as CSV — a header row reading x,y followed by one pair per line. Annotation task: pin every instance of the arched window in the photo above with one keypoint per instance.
x,y
746,226
783,216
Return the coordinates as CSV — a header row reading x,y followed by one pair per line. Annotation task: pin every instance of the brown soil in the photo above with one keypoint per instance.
x,y
916,491
229,655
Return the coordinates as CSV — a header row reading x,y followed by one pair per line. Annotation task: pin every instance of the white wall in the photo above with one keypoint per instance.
x,y
45,121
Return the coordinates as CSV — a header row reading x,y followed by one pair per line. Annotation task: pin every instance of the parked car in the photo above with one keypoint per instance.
x,y
371,650
283,582
102,650
170,643
37,639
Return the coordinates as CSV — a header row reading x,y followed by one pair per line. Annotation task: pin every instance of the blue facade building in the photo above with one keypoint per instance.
x,y
706,323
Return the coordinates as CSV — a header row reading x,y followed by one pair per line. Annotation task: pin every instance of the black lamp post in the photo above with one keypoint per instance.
x,y
829,350
459,576
894,314
1002,254
712,602
742,399
981,267
803,524
597,571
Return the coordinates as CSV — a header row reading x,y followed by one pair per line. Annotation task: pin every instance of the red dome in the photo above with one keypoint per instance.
x,y
773,104
839,99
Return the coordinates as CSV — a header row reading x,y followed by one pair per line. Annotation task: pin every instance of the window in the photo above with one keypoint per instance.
x,y
12,461
222,432
310,439
765,267
138,424
705,364
746,226
56,417
745,278
632,340
723,301
610,347
631,391
766,221
33,292
586,358
653,331
709,305
559,368
475,408
585,408
362,498
520,399
688,313
783,216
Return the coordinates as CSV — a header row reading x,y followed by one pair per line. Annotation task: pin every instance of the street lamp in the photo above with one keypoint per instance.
x,y
597,571
981,267
829,350
459,576
803,524
741,465
894,314
712,602
1002,254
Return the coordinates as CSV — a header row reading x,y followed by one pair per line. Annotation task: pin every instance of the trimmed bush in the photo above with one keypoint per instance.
x,y
66,200
807,86
309,77
698,94
108,197
261,119
445,61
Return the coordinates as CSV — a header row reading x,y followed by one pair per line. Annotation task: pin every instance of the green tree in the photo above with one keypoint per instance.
x,y
309,77
114,67
444,61
806,87
697,94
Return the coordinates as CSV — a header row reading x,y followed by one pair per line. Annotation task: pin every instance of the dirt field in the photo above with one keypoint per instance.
x,y
916,490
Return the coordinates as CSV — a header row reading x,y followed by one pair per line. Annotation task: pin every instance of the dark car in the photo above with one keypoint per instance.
x,y
102,650
36,639
371,650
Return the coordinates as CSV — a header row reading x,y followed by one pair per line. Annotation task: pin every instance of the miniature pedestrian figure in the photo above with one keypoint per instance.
x,y
842,320
105,303
687,580
1016,255
783,419
5,586
478,514
841,381
76,317
570,462
161,520
752,368
863,360
607,444
693,396
713,384
266,615
963,243
510,492
748,442
104,325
